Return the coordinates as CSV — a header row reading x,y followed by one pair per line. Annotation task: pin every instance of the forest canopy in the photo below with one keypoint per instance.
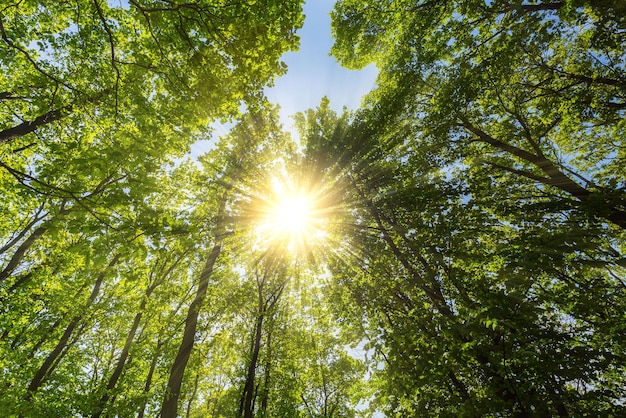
x,y
455,247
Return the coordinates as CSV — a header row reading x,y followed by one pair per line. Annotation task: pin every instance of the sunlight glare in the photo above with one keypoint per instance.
x,y
292,214
290,219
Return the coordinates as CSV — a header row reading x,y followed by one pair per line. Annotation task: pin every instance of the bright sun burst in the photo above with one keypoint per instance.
x,y
293,214
291,219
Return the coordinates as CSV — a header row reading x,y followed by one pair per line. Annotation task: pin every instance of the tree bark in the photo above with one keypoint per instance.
x,y
193,395
41,373
266,378
266,303
169,408
121,361
248,391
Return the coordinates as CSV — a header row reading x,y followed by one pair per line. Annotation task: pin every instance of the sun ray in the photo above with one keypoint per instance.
x,y
290,218
293,214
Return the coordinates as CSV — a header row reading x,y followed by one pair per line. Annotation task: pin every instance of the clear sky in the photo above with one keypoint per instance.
x,y
311,74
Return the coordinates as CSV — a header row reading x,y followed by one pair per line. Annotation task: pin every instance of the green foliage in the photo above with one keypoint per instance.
x,y
473,213
490,176
535,90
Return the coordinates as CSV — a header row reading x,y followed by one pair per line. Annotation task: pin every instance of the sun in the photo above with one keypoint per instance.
x,y
290,218
293,214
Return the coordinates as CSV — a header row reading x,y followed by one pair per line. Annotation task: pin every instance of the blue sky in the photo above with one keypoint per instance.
x,y
311,74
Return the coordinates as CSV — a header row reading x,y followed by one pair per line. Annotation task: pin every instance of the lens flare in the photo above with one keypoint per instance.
x,y
293,214
290,219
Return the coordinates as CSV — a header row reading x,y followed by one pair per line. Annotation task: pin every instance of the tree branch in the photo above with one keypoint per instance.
x,y
112,45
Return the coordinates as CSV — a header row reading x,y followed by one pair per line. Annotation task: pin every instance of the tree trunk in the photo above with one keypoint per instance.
x,y
170,401
266,303
17,257
121,361
194,392
148,385
266,378
40,375
248,390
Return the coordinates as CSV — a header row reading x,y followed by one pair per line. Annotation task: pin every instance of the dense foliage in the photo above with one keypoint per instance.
x,y
490,162
466,256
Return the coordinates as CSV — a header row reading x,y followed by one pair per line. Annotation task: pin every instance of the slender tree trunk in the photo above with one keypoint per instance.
x,y
266,304
148,385
193,395
460,387
266,378
43,339
121,361
17,257
170,401
41,373
248,390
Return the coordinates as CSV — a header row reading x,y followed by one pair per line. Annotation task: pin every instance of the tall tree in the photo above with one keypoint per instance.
x,y
455,289
534,90
233,166
270,284
141,62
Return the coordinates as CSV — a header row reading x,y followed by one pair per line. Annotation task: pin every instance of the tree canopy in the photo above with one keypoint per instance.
x,y
455,247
